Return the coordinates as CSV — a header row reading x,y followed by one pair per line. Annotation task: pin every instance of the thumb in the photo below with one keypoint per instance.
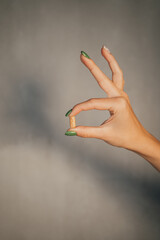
x,y
87,132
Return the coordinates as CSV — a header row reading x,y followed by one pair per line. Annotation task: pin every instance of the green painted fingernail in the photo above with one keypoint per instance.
x,y
67,114
70,133
85,54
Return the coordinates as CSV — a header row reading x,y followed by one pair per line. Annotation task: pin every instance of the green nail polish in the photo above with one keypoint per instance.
x,y
70,133
85,54
67,114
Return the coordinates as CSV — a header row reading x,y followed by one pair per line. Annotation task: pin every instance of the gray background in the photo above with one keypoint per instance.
x,y
63,188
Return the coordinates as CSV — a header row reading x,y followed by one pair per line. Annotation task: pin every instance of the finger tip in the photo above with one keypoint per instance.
x,y
102,50
105,50
72,114
85,58
81,57
70,133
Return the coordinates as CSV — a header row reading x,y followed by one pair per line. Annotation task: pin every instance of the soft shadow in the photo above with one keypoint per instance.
x,y
25,115
25,118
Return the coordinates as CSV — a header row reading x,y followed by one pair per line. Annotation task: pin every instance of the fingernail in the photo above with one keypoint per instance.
x,y
106,48
67,114
85,54
70,133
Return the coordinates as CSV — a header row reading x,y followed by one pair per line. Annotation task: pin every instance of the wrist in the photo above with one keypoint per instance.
x,y
148,147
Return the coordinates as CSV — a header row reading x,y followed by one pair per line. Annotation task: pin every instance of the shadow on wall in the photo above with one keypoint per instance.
x,y
133,192
25,116
25,119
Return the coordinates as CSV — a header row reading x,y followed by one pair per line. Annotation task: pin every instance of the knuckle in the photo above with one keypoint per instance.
x,y
92,102
111,60
123,102
92,69
83,132
125,95
120,72
78,107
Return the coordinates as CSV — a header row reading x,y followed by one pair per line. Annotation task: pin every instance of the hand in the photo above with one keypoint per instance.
x,y
122,129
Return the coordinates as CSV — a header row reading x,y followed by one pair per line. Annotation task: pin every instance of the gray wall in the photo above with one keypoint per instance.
x,y
68,188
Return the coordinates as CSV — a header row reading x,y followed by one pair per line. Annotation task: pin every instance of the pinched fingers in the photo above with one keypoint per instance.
x,y
114,105
94,103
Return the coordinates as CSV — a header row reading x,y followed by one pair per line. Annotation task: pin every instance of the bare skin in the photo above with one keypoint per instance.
x,y
122,129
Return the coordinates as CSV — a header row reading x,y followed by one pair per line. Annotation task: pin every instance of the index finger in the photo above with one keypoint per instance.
x,y
95,103
104,82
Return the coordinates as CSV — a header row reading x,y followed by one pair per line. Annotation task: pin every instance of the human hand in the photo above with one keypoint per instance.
x,y
122,129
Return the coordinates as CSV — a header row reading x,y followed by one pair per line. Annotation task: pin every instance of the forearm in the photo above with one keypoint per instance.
x,y
149,148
